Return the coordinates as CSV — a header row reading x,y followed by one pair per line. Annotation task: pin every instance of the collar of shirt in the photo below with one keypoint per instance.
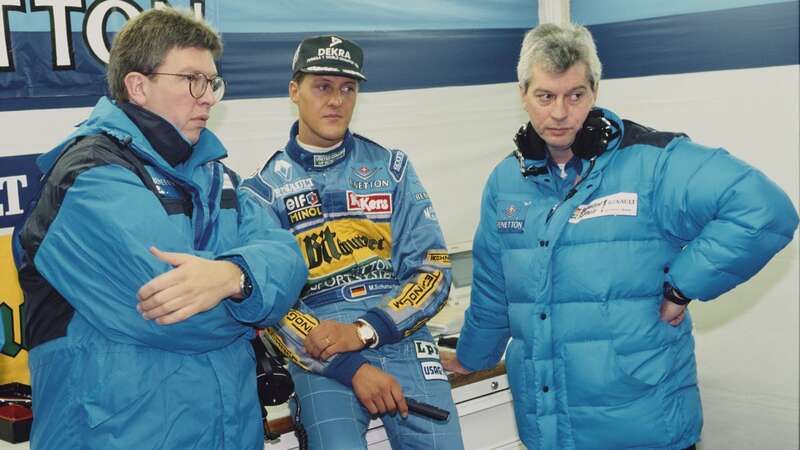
x,y
566,178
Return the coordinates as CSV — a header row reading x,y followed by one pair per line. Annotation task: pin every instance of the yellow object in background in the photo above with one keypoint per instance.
x,y
13,358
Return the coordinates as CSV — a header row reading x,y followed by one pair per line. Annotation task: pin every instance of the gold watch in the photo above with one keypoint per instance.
x,y
366,333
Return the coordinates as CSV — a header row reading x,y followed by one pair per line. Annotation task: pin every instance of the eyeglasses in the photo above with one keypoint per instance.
x,y
198,83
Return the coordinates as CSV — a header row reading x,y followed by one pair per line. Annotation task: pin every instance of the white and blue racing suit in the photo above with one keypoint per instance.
x,y
375,251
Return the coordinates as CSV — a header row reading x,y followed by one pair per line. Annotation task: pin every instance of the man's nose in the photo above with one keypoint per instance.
x,y
336,98
208,97
559,109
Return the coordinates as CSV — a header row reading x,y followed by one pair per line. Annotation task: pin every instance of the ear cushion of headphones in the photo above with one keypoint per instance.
x,y
275,384
590,141
529,143
593,138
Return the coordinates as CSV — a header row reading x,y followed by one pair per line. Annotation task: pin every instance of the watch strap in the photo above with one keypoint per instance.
x,y
675,296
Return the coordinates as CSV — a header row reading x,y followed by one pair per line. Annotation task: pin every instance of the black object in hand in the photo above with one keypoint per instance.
x,y
424,409
449,342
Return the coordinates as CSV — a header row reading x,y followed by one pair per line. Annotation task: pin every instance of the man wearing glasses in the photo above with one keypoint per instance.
x,y
143,273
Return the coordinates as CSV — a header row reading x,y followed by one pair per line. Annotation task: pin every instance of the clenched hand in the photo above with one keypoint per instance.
x,y
331,337
378,391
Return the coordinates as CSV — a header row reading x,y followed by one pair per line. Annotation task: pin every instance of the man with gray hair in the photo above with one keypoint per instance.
x,y
595,234
143,272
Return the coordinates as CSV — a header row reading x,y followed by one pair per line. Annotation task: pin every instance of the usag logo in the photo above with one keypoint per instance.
x,y
303,206
433,370
369,203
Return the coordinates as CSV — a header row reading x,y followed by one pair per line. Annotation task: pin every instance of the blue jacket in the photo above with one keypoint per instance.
x,y
589,362
367,231
106,378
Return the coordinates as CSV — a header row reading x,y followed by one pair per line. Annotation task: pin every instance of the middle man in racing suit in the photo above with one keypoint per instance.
x,y
378,266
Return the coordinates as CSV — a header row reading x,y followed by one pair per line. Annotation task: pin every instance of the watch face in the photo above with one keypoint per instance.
x,y
245,285
366,333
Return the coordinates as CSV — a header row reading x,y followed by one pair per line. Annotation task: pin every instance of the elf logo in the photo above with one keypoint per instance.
x,y
302,200
369,203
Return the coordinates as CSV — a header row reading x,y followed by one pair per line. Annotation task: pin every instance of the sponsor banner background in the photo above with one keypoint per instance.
x,y
466,42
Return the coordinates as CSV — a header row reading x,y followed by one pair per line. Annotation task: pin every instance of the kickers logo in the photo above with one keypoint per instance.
x,y
303,206
369,203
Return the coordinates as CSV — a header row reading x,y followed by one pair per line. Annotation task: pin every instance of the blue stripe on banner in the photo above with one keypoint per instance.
x,y
593,12
310,16
257,65
323,16
756,36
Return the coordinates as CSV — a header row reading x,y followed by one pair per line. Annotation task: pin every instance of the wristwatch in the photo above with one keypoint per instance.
x,y
245,286
674,295
366,333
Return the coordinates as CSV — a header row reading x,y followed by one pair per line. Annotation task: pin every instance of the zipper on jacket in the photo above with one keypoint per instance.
x,y
571,192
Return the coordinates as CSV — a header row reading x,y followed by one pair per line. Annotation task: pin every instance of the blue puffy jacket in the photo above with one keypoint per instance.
x,y
369,235
103,377
576,284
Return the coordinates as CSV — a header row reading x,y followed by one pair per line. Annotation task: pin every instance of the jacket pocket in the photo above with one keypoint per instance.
x,y
609,405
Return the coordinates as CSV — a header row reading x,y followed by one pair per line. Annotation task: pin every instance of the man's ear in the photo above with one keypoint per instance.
x,y
522,96
136,85
293,88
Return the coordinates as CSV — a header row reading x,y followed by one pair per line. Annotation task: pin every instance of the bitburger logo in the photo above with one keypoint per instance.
x,y
324,247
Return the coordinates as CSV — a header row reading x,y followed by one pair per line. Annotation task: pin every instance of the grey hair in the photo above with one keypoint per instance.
x,y
144,41
556,48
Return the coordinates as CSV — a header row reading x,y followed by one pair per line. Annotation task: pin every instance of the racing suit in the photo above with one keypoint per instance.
x,y
374,250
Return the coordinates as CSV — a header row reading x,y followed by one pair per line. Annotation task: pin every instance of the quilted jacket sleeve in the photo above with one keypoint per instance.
x,y
730,218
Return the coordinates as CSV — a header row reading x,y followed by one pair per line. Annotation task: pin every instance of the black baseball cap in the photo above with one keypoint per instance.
x,y
329,55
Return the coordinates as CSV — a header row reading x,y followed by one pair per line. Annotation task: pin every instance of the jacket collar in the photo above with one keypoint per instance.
x,y
165,139
536,158
317,161
107,117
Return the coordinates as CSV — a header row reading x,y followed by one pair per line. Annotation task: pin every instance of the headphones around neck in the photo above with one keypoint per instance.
x,y
590,142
